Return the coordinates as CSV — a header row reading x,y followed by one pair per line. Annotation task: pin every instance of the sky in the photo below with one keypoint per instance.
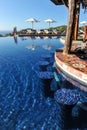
x,y
15,12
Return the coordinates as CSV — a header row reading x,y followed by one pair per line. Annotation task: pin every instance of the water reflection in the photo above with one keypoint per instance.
x,y
15,39
48,46
32,46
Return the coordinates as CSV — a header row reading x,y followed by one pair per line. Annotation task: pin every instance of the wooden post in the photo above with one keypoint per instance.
x,y
76,21
68,41
75,28
85,33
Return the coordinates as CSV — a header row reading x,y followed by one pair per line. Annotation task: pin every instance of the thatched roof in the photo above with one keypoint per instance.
x,y
65,2
57,2
84,3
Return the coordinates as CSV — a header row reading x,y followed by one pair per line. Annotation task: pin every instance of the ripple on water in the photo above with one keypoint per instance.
x,y
22,104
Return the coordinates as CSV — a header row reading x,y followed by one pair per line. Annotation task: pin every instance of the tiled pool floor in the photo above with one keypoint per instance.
x,y
23,105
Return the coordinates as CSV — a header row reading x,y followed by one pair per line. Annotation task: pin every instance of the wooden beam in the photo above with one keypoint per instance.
x,y
76,21
85,34
68,41
57,2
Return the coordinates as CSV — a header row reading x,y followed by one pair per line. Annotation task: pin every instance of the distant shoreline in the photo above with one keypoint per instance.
x,y
5,32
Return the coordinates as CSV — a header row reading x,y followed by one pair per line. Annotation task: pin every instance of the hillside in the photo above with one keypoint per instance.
x,y
61,30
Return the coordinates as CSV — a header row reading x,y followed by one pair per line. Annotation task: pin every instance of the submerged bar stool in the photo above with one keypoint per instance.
x,y
46,57
50,59
46,78
43,65
66,100
52,53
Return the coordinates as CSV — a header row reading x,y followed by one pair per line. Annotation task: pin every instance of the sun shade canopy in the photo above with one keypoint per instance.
x,y
65,2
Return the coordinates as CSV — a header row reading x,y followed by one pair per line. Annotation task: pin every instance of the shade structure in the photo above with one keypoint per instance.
x,y
32,20
49,21
83,22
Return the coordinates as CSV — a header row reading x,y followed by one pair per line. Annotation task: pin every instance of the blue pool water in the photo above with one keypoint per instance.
x,y
23,104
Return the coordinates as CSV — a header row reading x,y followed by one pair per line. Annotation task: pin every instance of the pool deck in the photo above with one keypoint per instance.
x,y
73,66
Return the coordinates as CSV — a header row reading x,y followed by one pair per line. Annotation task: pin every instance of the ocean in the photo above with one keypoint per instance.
x,y
5,32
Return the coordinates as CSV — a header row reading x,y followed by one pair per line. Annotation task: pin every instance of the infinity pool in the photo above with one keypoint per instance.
x,y
23,104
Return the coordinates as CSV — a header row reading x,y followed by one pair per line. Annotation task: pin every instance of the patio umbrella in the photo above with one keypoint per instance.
x,y
49,21
32,20
83,22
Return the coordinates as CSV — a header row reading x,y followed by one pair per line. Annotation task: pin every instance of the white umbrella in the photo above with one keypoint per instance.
x,y
49,21
83,22
32,20
32,46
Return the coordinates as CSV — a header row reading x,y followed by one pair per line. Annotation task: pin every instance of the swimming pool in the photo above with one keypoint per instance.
x,y
23,104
